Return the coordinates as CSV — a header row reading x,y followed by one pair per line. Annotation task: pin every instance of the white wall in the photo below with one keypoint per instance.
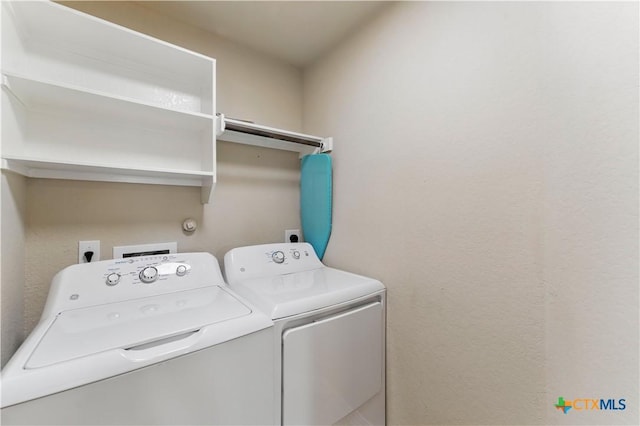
x,y
256,197
486,171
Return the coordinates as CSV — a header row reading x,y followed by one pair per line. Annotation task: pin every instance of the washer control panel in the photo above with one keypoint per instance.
x,y
269,260
146,269
116,280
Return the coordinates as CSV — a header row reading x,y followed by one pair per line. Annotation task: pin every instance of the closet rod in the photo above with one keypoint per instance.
x,y
250,128
268,134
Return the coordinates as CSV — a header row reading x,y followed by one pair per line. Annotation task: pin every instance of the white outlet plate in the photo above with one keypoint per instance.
x,y
289,232
85,246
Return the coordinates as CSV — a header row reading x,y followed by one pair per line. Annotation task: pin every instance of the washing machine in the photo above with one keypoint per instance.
x,y
329,333
144,340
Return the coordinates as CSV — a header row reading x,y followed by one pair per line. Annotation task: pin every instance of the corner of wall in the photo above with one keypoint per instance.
x,y
13,189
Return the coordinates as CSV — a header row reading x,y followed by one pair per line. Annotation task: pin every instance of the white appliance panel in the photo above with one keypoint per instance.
x,y
332,366
81,332
282,296
87,284
269,260
227,384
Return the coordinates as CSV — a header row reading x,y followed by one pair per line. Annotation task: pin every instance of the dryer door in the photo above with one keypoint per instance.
x,y
332,366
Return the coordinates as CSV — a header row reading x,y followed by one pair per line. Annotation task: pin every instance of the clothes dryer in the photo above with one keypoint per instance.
x,y
329,328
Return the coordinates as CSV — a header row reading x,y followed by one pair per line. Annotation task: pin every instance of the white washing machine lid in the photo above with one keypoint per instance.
x,y
131,324
292,294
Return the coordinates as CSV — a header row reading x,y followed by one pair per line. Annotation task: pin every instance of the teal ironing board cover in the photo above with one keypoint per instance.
x,y
316,201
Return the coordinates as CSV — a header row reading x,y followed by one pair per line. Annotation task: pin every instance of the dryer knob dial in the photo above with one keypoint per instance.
x,y
278,256
148,274
113,279
181,270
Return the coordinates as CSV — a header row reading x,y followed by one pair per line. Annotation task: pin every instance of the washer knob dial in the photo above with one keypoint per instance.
x,y
296,254
113,279
278,256
181,270
148,274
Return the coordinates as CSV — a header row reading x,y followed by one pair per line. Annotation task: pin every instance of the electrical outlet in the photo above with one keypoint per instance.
x,y
292,236
85,246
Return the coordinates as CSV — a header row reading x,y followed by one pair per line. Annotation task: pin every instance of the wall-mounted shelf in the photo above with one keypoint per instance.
x,y
46,95
239,131
38,168
86,99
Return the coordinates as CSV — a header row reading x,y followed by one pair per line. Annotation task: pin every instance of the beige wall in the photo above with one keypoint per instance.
x,y
486,170
590,208
256,197
13,203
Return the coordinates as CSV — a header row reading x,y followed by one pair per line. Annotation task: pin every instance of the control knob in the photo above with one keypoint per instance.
x,y
296,254
148,274
181,270
278,256
113,279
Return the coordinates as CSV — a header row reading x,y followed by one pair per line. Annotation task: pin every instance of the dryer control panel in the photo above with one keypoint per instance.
x,y
108,281
269,260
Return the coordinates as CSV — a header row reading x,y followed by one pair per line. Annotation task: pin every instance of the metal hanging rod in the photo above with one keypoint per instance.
x,y
257,131
239,131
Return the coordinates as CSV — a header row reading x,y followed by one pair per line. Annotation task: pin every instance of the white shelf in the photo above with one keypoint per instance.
x,y
86,99
40,168
41,95
239,131
70,30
